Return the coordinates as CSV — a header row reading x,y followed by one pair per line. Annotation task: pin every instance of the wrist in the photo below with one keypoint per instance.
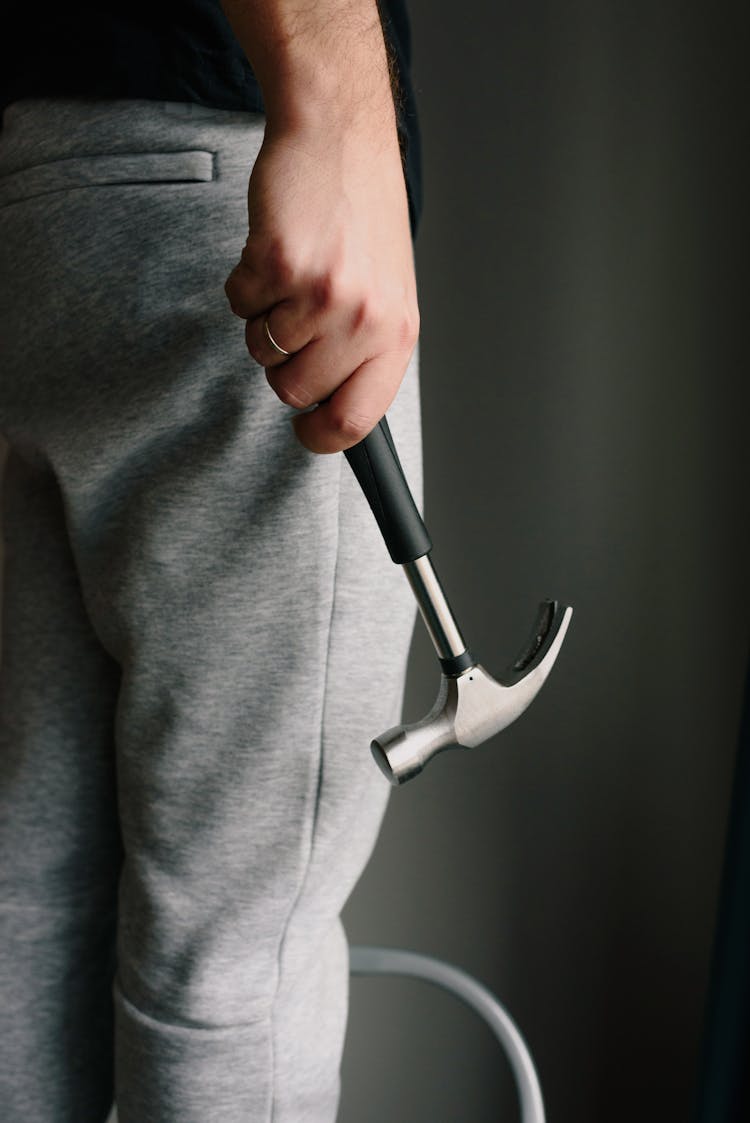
x,y
324,62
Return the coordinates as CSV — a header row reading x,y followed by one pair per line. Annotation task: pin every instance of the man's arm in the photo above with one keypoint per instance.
x,y
329,256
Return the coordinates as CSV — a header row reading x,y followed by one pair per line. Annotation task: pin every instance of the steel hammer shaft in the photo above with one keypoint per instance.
x,y
377,467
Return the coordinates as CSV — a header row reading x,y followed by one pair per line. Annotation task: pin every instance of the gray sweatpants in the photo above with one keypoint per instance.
x,y
202,631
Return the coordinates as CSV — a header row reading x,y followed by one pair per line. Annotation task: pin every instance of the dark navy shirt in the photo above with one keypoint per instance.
x,y
167,50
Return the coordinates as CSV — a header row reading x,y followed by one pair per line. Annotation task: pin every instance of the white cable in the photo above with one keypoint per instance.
x,y
396,961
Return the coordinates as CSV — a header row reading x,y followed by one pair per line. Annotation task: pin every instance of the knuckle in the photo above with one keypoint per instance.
x,y
367,316
371,317
233,292
279,262
412,326
351,427
407,328
325,292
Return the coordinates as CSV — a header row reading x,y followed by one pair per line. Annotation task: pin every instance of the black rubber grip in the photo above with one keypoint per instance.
x,y
376,465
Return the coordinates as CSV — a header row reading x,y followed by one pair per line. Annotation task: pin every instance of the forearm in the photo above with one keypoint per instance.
x,y
321,60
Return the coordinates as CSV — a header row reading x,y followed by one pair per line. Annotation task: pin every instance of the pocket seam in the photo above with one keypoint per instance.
x,y
120,169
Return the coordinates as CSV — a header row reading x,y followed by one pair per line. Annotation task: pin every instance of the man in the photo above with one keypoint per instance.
x,y
201,625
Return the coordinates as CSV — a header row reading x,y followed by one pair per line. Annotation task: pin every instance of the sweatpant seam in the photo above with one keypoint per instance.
x,y
316,806
161,1025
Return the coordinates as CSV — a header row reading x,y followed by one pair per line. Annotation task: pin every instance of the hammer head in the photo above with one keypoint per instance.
x,y
473,706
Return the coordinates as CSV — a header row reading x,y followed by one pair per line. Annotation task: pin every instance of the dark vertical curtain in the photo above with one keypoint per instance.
x,y
724,1078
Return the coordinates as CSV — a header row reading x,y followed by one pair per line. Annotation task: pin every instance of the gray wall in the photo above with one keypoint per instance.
x,y
584,437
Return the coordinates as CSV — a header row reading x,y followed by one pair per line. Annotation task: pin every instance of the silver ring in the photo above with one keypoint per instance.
x,y
272,341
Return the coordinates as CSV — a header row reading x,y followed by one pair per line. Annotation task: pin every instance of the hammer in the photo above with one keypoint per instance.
x,y
471,705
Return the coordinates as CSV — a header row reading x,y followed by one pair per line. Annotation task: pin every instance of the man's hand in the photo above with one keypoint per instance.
x,y
328,259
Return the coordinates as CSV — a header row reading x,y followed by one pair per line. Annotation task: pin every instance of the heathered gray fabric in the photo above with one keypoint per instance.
x,y
202,631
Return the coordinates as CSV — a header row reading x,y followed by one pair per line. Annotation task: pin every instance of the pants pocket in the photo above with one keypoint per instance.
x,y
192,166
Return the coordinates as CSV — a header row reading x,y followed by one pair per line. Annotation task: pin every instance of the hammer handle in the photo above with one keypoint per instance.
x,y
376,465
